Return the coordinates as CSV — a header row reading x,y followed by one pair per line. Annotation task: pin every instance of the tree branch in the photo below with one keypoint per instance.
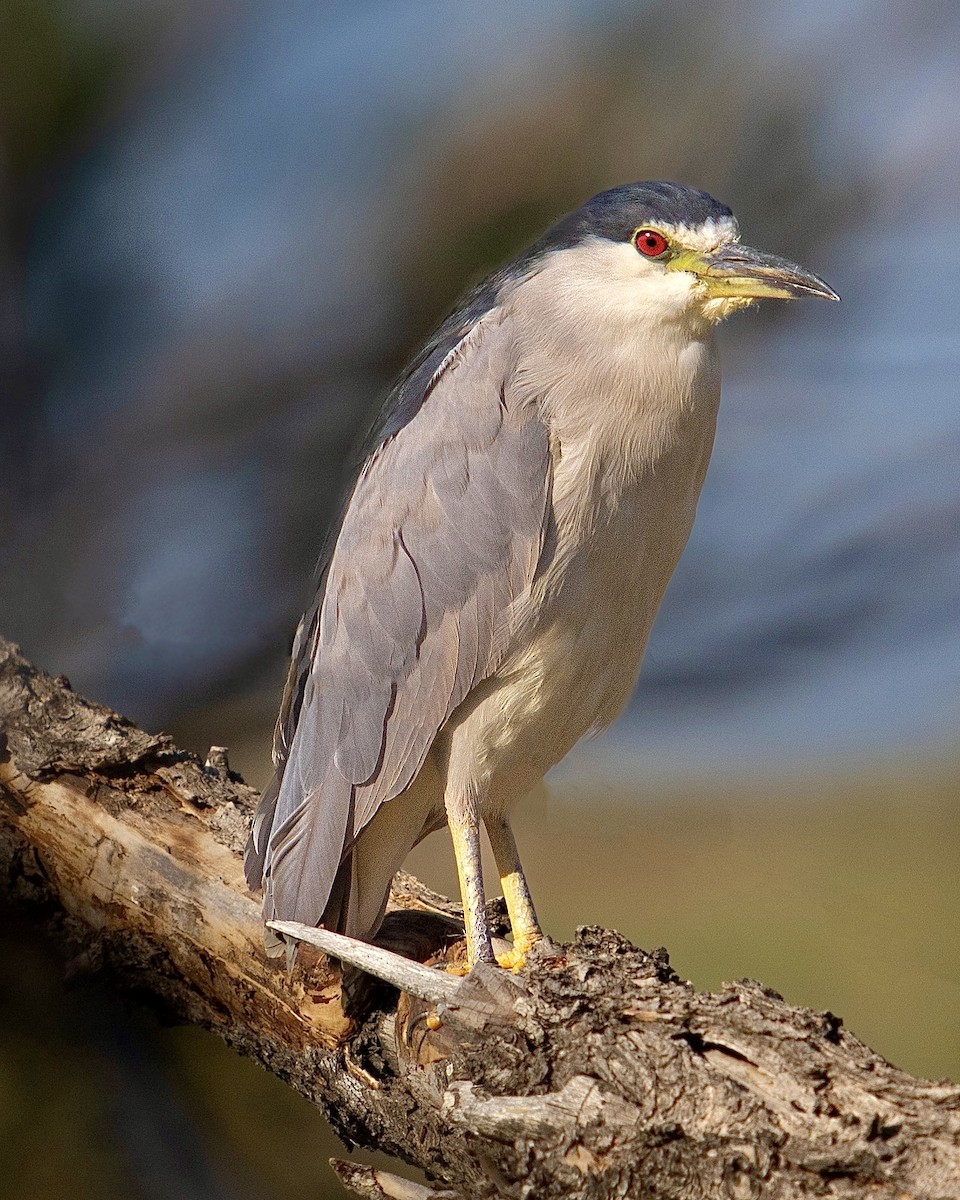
x,y
595,1073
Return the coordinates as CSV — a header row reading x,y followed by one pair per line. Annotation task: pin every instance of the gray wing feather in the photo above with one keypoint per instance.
x,y
441,536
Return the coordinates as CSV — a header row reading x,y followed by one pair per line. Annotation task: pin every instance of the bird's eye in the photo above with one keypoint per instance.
x,y
651,242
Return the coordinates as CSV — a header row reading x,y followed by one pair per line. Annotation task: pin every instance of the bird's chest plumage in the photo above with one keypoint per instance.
x,y
629,456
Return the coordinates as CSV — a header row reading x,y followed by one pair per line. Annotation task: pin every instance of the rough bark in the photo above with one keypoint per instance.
x,y
595,1072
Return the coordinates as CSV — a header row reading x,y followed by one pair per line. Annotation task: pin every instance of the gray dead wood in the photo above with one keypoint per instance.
x,y
594,1073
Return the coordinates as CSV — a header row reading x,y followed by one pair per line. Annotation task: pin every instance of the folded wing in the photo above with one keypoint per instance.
x,y
440,538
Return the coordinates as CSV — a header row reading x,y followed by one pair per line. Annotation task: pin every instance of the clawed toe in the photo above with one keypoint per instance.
x,y
512,960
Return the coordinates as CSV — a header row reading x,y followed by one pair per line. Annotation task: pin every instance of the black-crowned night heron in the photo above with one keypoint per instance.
x,y
487,595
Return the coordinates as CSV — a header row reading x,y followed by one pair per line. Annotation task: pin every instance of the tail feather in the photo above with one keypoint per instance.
x,y
312,865
255,854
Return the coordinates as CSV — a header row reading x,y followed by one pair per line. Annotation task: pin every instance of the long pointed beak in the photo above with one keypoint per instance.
x,y
735,270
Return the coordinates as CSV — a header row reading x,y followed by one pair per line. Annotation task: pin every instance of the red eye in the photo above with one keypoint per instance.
x,y
650,242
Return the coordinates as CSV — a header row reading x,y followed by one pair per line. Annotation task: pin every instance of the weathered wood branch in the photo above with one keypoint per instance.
x,y
594,1073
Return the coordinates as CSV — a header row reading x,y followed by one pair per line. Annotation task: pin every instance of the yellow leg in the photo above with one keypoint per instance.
x,y
465,834
523,916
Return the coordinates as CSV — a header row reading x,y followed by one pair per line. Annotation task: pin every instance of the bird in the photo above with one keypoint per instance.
x,y
487,591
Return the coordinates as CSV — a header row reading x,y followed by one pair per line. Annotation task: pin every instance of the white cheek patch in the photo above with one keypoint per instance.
x,y
612,285
602,291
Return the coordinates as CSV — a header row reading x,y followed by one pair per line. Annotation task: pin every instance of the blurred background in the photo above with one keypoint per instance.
x,y
224,226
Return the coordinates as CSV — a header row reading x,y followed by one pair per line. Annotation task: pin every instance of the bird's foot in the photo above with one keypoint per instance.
x,y
513,958
509,960
510,956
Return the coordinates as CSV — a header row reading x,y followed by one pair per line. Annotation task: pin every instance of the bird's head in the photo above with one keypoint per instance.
x,y
679,248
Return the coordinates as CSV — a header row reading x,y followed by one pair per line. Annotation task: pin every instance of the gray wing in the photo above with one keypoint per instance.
x,y
441,536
